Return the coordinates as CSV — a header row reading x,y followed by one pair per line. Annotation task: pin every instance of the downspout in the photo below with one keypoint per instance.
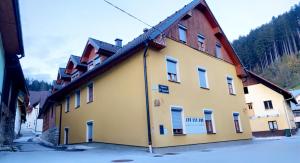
x,y
147,97
286,114
59,129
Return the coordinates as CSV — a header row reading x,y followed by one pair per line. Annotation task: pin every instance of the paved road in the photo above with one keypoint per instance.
x,y
277,150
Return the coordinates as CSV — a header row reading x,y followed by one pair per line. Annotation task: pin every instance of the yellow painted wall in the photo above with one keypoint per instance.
x,y
259,93
194,99
118,109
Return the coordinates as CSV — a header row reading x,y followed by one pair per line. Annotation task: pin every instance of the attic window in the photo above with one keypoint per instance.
x,y
218,50
182,34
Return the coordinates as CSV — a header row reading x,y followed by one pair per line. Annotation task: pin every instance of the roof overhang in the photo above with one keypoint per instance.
x,y
10,27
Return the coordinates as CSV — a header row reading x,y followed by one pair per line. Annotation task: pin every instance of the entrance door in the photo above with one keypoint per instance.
x,y
90,131
66,136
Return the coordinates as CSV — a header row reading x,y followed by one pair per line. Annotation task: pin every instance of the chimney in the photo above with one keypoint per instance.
x,y
145,30
118,42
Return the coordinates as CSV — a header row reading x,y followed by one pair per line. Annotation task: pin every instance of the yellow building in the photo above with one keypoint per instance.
x,y
178,83
269,107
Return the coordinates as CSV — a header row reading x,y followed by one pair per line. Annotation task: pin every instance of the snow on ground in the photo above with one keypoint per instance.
x,y
275,150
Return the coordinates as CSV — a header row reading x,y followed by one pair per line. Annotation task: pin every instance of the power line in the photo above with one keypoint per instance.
x,y
129,14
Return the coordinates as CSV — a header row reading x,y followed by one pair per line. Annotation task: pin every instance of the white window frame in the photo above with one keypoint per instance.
x,y
66,134
86,132
220,56
75,75
212,119
177,68
206,77
233,84
77,106
240,123
185,29
91,65
66,105
203,37
88,93
182,117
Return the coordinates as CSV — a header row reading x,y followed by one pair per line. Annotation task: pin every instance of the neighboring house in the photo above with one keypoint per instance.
x,y
296,107
268,107
13,89
36,102
178,83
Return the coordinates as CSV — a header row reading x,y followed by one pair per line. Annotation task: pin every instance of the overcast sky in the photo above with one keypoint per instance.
x,y
54,29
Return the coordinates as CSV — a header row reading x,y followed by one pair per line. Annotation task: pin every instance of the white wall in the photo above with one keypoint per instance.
x,y
36,125
17,120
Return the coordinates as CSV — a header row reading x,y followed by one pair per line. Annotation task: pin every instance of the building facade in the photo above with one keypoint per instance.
x,y
178,83
296,107
13,88
269,107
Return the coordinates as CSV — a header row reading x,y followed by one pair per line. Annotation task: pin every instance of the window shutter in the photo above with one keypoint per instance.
x,y
177,118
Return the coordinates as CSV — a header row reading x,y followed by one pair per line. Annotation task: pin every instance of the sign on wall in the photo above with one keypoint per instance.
x,y
163,89
195,125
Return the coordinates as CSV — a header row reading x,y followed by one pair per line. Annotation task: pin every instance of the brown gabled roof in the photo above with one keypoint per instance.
x,y
286,94
138,43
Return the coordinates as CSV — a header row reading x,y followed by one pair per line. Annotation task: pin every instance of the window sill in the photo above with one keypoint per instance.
x,y
173,81
232,94
89,102
77,107
179,134
213,133
205,88
67,111
239,132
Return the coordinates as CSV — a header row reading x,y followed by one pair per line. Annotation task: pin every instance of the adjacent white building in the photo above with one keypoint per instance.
x,y
36,101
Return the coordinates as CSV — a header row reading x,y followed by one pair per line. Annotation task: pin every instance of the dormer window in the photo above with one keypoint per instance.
x,y
91,65
201,42
218,50
97,60
182,34
75,75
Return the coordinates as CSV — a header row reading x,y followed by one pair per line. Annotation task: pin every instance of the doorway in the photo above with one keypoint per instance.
x,y
90,131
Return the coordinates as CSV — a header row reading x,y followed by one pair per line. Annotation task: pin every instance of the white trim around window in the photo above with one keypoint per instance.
x,y
199,68
77,105
177,67
240,123
88,93
182,118
67,104
233,84
212,118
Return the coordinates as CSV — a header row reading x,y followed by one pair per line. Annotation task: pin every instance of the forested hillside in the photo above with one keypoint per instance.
x,y
264,48
36,85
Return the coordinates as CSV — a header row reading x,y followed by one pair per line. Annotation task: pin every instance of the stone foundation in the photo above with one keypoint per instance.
x,y
51,136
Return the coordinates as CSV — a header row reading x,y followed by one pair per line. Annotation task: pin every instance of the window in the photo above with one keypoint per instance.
x,y
172,70
230,85
201,42
268,105
273,125
67,107
236,119
246,91
177,120
209,122
250,106
75,75
77,99
97,60
91,65
202,78
161,130
218,50
182,34
90,93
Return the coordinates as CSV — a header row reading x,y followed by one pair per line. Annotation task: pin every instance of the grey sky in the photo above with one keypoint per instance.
x,y
54,29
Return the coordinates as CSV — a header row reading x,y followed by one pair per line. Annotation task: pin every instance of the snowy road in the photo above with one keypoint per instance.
x,y
265,151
